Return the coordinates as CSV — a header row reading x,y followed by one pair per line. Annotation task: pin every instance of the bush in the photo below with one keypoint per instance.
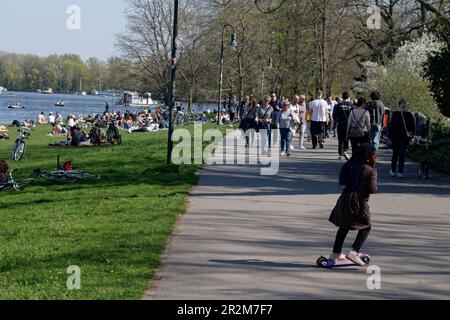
x,y
440,131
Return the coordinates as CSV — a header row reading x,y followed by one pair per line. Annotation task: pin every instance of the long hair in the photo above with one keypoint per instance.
x,y
352,170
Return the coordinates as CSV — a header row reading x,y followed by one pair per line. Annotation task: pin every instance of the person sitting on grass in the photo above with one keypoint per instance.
x,y
4,172
58,130
41,119
4,133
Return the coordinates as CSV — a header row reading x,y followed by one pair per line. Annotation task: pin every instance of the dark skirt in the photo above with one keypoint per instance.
x,y
351,212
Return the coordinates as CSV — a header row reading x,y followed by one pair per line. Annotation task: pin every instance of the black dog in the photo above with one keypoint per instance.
x,y
424,172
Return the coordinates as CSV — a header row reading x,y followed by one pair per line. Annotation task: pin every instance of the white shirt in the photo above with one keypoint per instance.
x,y
51,119
319,108
295,108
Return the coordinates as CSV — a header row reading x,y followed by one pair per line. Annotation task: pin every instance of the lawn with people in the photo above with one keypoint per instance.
x,y
114,229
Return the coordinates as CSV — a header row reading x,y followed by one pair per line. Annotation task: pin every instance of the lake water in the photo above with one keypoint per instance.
x,y
35,103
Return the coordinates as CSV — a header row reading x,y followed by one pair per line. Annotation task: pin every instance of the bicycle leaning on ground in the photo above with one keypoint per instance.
x,y
12,184
20,145
66,174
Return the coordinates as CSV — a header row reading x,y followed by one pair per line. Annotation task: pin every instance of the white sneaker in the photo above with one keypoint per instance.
x,y
292,148
346,156
283,154
353,257
302,148
400,175
336,257
392,173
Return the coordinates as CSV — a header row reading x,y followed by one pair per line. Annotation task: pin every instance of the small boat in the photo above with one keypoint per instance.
x,y
16,105
60,103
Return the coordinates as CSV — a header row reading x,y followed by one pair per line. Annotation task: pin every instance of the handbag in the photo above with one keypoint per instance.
x,y
409,134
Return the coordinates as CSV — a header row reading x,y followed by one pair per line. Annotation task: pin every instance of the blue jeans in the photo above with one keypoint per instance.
x,y
286,138
375,135
265,132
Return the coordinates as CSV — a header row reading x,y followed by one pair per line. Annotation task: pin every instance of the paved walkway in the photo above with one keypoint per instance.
x,y
246,236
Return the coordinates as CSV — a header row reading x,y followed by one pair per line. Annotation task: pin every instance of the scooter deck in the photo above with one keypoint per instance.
x,y
323,262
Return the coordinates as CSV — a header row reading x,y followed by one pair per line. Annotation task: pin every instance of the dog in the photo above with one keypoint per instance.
x,y
424,172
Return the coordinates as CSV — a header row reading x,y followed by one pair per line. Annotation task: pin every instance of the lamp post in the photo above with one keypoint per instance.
x,y
267,66
233,45
172,80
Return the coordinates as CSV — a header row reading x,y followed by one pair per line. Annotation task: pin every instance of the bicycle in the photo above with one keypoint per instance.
x,y
66,174
11,184
113,135
20,145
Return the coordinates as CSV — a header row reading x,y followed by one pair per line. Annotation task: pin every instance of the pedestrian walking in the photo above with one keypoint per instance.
x,y
401,132
358,128
319,119
341,115
376,110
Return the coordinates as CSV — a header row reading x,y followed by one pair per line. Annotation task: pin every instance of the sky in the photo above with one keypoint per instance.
x,y
40,27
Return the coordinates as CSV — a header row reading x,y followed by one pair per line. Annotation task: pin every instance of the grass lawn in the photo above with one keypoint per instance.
x,y
115,229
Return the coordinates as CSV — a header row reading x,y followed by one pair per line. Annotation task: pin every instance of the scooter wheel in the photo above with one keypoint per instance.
x,y
366,259
321,262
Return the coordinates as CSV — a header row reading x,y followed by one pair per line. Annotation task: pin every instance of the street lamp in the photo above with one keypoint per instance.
x,y
267,66
233,44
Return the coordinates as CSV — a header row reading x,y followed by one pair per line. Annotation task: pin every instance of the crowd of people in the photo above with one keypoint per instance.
x,y
352,122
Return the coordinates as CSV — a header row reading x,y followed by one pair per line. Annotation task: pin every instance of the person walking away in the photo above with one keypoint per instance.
x,y
341,114
233,108
264,119
358,128
284,119
248,120
376,110
352,211
401,132
318,109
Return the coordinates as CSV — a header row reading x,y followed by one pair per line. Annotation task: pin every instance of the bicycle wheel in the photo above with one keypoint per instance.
x,y
19,151
21,185
58,176
83,175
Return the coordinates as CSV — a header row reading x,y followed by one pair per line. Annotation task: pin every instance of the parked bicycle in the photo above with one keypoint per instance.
x,y
66,174
20,145
14,185
113,135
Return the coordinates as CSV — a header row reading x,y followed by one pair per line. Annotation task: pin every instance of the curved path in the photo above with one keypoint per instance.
x,y
247,236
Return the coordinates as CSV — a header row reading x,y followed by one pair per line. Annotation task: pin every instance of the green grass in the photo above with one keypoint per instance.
x,y
114,229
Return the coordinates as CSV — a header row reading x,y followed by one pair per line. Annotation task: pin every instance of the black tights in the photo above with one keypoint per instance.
x,y
359,242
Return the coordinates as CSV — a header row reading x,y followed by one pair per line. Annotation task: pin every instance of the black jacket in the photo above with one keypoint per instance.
x,y
341,114
397,130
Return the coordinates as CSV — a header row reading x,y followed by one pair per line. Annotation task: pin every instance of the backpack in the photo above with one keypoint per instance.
x,y
357,130
375,113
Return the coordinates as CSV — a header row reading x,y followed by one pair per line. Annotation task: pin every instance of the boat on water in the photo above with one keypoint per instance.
x,y
46,91
60,103
2,89
136,100
16,105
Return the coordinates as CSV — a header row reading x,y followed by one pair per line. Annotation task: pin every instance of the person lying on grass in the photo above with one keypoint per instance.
x,y
58,130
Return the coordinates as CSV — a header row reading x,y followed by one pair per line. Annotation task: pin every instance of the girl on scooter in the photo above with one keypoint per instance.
x,y
360,179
